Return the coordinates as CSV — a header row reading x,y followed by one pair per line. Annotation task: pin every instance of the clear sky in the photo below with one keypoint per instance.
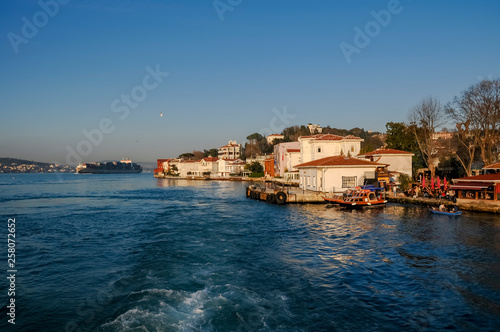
x,y
234,67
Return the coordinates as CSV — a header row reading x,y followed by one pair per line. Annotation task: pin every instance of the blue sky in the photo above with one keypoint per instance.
x,y
225,77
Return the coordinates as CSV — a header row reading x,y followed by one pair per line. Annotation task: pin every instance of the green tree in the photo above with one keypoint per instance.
x,y
404,181
255,167
211,153
187,155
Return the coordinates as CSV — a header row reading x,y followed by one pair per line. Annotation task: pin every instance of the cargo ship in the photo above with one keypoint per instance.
x,y
109,167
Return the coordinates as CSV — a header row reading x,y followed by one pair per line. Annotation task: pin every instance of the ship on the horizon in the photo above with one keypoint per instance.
x,y
110,167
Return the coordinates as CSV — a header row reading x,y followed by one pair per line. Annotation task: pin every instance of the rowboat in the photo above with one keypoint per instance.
x,y
446,213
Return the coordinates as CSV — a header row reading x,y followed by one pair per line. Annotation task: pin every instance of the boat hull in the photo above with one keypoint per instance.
x,y
446,213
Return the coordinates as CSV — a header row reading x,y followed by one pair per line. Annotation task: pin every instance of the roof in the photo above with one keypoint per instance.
x,y
230,146
385,151
330,137
292,150
492,166
339,161
210,159
471,185
272,135
480,178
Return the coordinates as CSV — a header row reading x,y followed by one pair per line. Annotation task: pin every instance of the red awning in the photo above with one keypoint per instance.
x,y
471,185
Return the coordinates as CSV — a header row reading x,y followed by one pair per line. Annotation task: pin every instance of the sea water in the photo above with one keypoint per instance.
x,y
134,253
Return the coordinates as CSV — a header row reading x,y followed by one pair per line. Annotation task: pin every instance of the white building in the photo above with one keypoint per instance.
x,y
326,145
398,161
271,138
282,157
336,173
226,167
314,128
232,150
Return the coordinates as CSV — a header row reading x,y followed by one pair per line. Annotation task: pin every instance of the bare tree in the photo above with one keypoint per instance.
x,y
425,118
477,112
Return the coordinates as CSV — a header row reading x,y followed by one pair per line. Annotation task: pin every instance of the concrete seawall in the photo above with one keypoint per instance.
x,y
463,204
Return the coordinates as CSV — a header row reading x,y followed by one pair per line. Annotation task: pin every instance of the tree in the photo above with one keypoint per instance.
x,y
211,153
404,181
400,137
476,113
255,167
253,148
425,118
197,155
186,155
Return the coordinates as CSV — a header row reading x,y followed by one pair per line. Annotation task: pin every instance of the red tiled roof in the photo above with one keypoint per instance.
x,y
292,150
492,166
329,137
480,178
339,161
210,159
384,151
272,135
470,185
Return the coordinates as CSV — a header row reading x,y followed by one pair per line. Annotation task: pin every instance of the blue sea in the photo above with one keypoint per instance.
x,y
135,253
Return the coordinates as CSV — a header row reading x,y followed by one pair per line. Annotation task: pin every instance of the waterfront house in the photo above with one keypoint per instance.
x,y
231,150
337,173
398,161
484,188
227,167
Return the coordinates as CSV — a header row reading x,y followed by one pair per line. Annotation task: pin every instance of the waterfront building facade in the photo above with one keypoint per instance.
x,y
398,161
283,154
484,188
336,173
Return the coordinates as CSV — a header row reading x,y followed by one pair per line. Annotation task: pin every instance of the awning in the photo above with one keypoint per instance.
x,y
471,185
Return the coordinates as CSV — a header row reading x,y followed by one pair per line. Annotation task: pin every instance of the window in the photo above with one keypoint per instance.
x,y
348,181
352,148
319,149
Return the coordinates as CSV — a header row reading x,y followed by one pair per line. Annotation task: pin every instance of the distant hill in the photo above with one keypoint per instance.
x,y
10,161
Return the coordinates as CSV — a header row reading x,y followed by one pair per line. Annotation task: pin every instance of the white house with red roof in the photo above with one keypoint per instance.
x,y
226,167
319,146
398,161
336,173
231,150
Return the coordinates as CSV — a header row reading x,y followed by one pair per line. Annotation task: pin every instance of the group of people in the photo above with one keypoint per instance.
x,y
453,208
418,191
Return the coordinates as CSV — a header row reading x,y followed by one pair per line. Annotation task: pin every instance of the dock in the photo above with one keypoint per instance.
x,y
285,195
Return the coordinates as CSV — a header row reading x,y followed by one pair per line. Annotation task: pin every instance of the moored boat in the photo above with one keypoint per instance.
x,y
357,198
